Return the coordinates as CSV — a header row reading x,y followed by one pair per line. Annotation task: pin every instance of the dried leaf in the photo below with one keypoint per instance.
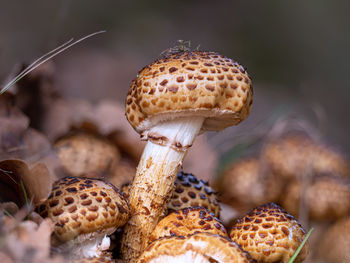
x,y
22,185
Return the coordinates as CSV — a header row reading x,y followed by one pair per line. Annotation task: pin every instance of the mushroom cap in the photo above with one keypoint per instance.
x,y
189,84
335,243
81,207
295,154
84,153
188,221
245,184
269,234
326,197
206,246
189,191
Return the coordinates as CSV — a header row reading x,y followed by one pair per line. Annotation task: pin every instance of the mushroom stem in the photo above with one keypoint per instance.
x,y
153,183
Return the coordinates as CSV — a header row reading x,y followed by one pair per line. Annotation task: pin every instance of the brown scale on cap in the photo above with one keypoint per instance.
x,y
335,243
326,197
188,221
189,191
82,208
244,184
199,247
190,84
269,234
84,153
294,155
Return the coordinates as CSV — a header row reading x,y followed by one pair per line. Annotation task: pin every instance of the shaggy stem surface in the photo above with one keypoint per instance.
x,y
154,181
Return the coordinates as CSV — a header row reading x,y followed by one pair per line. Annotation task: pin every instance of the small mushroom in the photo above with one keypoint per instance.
x,y
188,221
244,184
335,243
326,197
270,234
85,154
199,247
169,103
294,155
85,211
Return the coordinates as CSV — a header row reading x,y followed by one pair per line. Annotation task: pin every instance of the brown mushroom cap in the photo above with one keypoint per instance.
x,y
294,155
84,153
189,191
188,221
269,234
335,243
190,84
326,197
83,207
204,247
244,184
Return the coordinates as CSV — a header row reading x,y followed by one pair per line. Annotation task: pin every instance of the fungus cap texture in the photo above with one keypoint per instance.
x,y
83,154
245,183
189,84
326,197
269,234
84,207
188,221
209,247
190,191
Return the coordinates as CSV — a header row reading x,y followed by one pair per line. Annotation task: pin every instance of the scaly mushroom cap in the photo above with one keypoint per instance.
x,y
326,198
269,234
294,155
83,206
335,243
190,191
190,84
188,221
200,247
243,184
83,154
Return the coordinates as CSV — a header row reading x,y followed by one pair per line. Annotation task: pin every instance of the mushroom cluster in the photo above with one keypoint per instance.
x,y
169,103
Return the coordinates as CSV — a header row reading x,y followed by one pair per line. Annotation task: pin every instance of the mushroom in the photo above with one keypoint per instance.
x,y
188,221
169,103
244,184
295,154
93,260
326,197
85,154
84,212
270,234
199,247
335,243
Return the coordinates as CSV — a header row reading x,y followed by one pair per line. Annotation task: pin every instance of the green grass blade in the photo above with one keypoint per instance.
x,y
300,247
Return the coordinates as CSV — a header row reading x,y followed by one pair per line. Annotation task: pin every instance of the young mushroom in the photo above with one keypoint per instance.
x,y
199,247
169,103
188,221
85,211
270,234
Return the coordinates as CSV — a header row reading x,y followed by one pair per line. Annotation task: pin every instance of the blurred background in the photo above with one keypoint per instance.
x,y
297,52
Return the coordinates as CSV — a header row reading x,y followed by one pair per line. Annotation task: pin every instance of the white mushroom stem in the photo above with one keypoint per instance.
x,y
150,192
